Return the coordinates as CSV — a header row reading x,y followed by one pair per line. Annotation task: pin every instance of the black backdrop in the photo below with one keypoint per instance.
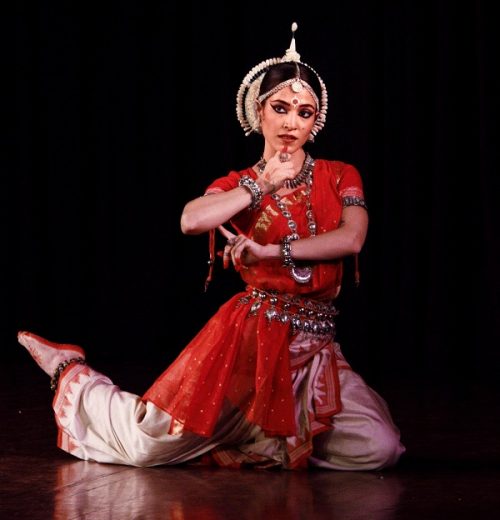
x,y
123,112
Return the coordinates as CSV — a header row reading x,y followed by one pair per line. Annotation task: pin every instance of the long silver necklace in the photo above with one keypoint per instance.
x,y
301,274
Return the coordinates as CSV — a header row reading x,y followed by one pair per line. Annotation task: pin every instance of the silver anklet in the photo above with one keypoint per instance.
x,y
57,373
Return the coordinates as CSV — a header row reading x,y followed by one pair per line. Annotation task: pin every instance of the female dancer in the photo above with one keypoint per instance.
x,y
263,383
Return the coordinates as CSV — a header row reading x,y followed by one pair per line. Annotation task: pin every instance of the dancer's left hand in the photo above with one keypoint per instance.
x,y
241,250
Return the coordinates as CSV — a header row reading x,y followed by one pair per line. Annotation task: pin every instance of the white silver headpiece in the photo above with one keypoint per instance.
x,y
247,98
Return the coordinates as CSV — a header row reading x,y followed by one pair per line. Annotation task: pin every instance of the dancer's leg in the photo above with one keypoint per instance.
x,y
99,421
364,436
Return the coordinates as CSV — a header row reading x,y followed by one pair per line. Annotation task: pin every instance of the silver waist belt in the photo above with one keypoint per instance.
x,y
303,315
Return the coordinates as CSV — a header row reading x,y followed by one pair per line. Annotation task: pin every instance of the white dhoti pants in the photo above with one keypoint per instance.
x,y
98,421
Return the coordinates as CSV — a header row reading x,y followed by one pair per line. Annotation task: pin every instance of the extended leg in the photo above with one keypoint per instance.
x,y
98,421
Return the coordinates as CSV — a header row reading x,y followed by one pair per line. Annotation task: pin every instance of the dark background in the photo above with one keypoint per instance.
x,y
123,112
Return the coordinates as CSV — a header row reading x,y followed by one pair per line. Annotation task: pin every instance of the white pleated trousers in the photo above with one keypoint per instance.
x,y
99,422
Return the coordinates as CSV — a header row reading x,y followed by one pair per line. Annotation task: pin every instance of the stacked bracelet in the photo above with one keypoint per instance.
x,y
254,189
286,251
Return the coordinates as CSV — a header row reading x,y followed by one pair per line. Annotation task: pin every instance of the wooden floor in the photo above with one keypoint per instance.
x,y
451,470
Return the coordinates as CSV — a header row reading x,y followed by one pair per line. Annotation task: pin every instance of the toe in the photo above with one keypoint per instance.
x,y
22,337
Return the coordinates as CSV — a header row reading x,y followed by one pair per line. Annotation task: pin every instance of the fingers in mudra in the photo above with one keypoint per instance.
x,y
238,251
226,256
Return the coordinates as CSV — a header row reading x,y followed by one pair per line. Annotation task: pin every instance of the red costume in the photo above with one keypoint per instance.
x,y
243,353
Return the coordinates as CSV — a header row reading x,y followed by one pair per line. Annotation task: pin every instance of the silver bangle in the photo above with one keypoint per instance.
x,y
286,251
254,189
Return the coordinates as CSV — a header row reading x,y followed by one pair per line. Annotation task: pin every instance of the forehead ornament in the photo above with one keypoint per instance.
x,y
248,99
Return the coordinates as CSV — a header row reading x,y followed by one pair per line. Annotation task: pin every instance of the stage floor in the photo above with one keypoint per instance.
x,y
451,468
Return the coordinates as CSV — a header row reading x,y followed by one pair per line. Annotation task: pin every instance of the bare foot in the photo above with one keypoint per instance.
x,y
47,354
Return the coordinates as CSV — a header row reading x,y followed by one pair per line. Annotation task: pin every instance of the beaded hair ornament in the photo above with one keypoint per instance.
x,y
249,97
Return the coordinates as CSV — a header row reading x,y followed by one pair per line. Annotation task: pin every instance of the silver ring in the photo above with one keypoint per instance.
x,y
284,157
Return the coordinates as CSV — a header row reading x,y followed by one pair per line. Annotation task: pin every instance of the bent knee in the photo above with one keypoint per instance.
x,y
384,447
370,447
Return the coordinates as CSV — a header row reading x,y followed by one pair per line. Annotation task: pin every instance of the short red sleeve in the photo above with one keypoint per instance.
x,y
225,183
349,183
